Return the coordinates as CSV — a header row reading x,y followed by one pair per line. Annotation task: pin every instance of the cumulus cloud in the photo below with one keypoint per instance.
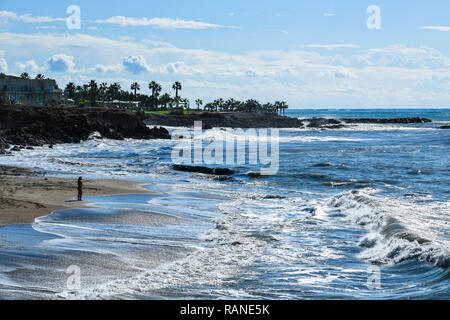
x,y
178,67
162,23
136,64
29,65
61,63
99,68
28,18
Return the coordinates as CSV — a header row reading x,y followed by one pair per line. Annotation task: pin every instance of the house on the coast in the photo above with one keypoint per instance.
x,y
19,90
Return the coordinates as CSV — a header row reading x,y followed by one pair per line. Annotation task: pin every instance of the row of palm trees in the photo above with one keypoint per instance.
x,y
232,105
94,92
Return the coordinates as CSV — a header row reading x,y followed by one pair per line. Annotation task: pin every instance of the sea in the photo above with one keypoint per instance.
x,y
361,212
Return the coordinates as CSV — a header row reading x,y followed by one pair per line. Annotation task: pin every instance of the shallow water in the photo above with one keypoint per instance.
x,y
346,207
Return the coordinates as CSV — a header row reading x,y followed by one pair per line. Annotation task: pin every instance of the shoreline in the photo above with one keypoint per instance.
x,y
26,195
260,120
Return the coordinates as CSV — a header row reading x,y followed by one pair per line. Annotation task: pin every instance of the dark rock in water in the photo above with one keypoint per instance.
x,y
3,146
254,174
323,165
388,120
223,178
236,243
16,148
444,127
37,126
205,170
324,123
160,133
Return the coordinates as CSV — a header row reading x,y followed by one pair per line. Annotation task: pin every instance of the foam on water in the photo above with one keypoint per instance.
x,y
343,200
399,229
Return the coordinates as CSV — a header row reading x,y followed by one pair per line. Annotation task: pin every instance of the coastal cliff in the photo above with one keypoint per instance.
x,y
23,126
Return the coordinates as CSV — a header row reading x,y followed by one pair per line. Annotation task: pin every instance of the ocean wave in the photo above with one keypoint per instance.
x,y
399,230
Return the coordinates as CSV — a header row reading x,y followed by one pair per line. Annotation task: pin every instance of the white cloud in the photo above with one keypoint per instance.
x,y
326,14
332,46
61,63
439,28
304,77
178,67
99,68
162,23
28,18
338,73
29,65
3,65
434,84
136,64
401,56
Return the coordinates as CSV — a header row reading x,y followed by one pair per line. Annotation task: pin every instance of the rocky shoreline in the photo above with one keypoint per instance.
x,y
27,127
255,120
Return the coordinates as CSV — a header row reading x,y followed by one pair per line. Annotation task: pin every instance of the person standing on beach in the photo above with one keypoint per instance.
x,y
80,188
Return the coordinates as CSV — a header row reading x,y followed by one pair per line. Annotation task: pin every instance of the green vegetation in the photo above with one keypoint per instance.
x,y
161,104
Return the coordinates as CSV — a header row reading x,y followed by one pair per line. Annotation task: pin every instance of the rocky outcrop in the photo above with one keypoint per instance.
x,y
30,126
205,170
225,120
257,120
324,123
444,127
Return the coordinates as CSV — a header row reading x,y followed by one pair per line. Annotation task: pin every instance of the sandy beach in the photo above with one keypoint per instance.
x,y
26,195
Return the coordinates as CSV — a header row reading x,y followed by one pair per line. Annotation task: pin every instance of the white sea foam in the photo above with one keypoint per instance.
x,y
399,230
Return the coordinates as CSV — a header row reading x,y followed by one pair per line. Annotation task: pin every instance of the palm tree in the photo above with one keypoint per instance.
x,y
85,91
103,88
177,87
136,87
156,89
198,102
70,89
25,75
280,105
114,90
93,91
40,76
165,99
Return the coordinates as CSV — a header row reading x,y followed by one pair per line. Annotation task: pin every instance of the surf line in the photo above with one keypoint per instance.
x,y
230,147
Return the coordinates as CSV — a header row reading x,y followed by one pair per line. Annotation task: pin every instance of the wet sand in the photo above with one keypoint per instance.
x,y
26,194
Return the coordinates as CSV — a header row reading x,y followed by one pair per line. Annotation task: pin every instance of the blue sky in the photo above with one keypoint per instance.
x,y
313,54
